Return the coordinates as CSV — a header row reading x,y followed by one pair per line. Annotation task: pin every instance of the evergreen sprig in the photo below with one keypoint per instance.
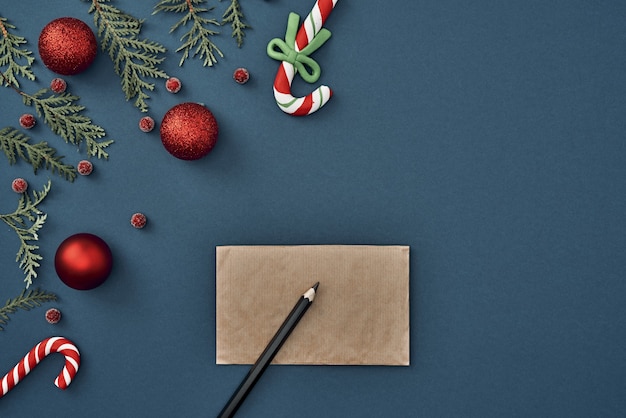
x,y
63,115
234,16
17,59
15,144
27,213
134,59
198,40
27,300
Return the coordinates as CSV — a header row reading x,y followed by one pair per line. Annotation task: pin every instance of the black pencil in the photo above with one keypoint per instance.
x,y
269,353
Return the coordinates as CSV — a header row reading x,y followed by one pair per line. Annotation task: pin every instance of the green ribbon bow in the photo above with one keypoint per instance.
x,y
280,50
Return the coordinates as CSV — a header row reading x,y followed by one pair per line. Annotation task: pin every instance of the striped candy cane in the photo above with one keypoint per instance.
x,y
41,350
294,53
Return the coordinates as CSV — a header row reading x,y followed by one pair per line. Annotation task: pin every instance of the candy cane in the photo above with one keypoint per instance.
x,y
294,53
41,350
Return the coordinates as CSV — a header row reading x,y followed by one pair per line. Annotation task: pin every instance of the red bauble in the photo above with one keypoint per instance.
x,y
189,131
83,261
67,46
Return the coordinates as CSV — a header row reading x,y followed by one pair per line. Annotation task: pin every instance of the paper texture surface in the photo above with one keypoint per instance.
x,y
360,315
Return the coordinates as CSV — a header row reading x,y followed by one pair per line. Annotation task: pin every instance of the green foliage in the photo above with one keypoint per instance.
x,y
62,114
19,220
197,41
134,59
27,300
11,55
234,16
15,144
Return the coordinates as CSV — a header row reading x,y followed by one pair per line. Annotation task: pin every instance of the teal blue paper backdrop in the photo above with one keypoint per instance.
x,y
488,136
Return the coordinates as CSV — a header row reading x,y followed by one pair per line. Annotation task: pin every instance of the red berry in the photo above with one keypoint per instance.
x,y
19,185
27,121
138,220
85,168
173,85
58,85
241,75
146,124
53,315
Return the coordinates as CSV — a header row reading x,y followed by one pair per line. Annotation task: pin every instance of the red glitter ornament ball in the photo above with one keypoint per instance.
x,y
83,261
67,46
189,131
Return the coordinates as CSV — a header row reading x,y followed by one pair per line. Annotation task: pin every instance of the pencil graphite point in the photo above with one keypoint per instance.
x,y
315,286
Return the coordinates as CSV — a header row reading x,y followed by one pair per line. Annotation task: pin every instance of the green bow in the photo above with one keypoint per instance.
x,y
307,67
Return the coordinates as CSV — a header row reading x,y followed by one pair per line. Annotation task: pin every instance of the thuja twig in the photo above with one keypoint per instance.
x,y
133,59
15,144
11,55
197,41
27,300
27,213
234,16
62,114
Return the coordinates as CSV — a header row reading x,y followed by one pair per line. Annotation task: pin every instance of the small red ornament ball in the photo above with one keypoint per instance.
x,y
189,131
83,261
67,46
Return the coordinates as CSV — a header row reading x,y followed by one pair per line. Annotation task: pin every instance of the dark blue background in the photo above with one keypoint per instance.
x,y
488,136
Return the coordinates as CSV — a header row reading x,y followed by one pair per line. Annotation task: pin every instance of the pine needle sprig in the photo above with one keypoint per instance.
x,y
234,16
40,155
17,59
27,300
26,221
134,59
63,115
198,40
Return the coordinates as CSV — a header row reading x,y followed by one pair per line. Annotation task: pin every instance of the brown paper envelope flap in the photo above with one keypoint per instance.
x,y
360,315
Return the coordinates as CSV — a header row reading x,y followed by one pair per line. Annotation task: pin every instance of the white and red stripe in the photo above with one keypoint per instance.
x,y
36,355
301,106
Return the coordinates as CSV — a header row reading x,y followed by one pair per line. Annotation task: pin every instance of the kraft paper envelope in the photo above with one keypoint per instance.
x,y
360,315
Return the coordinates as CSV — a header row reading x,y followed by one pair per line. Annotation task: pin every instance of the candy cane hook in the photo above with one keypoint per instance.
x,y
294,53
37,354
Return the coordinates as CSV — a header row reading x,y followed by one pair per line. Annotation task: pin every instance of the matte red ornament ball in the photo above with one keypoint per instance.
x,y
67,46
83,261
189,131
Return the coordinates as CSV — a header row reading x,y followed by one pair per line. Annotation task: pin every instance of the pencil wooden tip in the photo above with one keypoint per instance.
x,y
315,286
